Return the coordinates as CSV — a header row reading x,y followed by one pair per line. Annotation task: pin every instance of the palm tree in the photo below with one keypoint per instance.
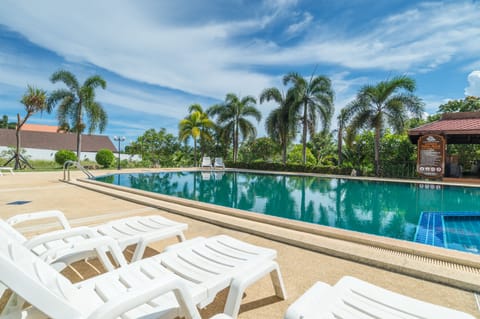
x,y
35,100
232,118
311,99
205,129
342,118
280,123
76,102
388,102
195,125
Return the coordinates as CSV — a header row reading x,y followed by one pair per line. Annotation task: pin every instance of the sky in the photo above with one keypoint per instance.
x,y
160,57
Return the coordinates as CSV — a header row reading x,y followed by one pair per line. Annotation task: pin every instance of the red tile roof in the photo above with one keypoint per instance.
x,y
39,128
458,128
56,141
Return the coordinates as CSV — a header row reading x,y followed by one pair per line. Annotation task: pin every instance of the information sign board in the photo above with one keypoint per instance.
x,y
431,156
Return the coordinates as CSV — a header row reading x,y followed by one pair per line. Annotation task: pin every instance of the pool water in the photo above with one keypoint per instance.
x,y
379,208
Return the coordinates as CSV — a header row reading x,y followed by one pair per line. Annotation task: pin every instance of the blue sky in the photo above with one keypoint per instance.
x,y
159,57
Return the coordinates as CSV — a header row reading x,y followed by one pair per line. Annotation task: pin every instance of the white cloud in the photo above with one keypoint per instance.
x,y
473,87
139,42
422,38
300,26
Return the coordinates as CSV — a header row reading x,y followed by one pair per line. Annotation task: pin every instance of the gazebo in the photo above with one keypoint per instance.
x,y
455,128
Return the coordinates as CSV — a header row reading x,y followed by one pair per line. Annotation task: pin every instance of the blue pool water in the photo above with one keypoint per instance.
x,y
379,208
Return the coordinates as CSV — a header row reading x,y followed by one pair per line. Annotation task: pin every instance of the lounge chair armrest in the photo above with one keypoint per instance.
x,y
60,235
40,215
137,297
100,245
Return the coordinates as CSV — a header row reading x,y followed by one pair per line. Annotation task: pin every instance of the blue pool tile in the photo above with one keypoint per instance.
x,y
453,230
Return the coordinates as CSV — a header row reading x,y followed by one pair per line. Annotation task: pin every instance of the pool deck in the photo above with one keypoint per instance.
x,y
306,253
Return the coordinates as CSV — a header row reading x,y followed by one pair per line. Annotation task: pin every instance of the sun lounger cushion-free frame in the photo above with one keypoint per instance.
x,y
134,291
138,230
6,168
203,266
352,298
207,162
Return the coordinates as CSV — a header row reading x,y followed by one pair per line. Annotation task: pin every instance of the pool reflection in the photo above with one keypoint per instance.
x,y
379,208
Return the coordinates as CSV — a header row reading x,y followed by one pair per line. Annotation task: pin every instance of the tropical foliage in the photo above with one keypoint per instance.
x,y
34,100
260,149
196,125
281,122
232,119
77,108
311,99
387,103
371,129
160,149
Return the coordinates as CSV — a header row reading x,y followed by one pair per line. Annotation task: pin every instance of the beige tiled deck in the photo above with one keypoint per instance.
x,y
300,267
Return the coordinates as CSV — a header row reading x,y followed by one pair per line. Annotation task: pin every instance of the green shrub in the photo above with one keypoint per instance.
x,y
295,155
64,155
105,157
265,166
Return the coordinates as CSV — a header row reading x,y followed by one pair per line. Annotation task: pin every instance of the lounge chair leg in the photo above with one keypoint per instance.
x,y
277,282
240,283
139,251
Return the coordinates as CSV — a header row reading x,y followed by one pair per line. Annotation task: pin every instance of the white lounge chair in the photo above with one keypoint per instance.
x,y
219,162
138,230
204,266
6,168
354,298
207,162
138,290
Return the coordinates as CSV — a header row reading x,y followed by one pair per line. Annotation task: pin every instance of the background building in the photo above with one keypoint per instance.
x,y
41,142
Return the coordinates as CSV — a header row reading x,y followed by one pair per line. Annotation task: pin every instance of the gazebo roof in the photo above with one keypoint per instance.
x,y
457,128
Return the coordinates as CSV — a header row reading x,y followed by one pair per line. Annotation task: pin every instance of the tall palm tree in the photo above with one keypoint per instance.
x,y
280,123
34,100
205,129
232,118
195,125
311,98
388,102
78,102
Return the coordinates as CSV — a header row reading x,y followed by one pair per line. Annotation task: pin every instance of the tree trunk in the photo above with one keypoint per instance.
x,y
17,152
80,128
377,151
79,145
17,135
304,135
195,152
284,154
235,143
340,144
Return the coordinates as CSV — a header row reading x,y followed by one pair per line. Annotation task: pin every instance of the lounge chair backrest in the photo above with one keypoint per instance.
x,y
219,162
206,161
34,280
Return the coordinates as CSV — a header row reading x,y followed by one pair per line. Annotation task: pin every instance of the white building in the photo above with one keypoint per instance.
x,y
41,142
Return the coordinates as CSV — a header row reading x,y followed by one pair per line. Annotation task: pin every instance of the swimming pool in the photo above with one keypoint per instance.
x,y
373,207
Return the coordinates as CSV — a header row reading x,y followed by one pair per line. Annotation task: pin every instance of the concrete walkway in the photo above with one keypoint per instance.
x,y
26,192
